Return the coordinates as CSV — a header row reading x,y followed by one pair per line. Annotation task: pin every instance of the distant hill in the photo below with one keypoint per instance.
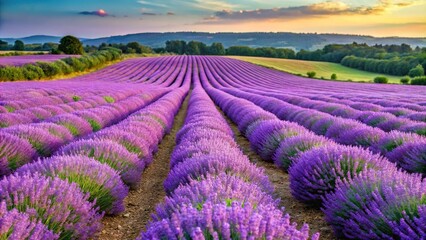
x,y
296,41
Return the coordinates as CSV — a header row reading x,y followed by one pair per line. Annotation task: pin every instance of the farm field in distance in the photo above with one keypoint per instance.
x,y
322,69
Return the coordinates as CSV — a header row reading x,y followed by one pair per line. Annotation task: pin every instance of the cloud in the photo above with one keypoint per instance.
x,y
152,4
171,13
99,13
318,9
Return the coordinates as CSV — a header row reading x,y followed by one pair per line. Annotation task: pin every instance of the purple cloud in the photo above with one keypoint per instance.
x,y
99,13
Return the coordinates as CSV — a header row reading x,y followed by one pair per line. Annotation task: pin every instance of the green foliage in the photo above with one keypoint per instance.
x,y
418,81
49,69
333,76
416,71
76,98
19,46
11,74
32,72
311,74
381,79
71,45
217,49
405,80
64,66
109,99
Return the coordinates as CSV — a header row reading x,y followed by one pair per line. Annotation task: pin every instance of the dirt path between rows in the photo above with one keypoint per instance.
x,y
299,212
140,203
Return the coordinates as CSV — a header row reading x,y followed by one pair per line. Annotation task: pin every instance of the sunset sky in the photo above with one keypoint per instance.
x,y
97,18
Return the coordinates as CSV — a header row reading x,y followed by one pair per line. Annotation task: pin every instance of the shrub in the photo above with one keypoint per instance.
x,y
333,76
32,72
58,204
49,69
410,157
291,148
78,126
381,79
214,164
17,225
99,180
111,153
417,71
233,221
14,152
405,80
378,205
75,63
216,189
11,74
316,172
418,81
65,68
311,74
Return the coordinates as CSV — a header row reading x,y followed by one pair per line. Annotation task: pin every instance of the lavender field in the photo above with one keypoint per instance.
x,y
25,59
208,147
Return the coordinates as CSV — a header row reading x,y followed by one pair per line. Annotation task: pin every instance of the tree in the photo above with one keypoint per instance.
x,y
19,45
416,71
217,49
381,79
71,45
193,48
333,76
311,74
3,45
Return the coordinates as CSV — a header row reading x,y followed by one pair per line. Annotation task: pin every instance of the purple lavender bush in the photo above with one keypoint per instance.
x,y
76,125
378,205
14,152
316,171
291,148
393,140
116,156
410,157
214,164
99,180
16,225
58,204
220,221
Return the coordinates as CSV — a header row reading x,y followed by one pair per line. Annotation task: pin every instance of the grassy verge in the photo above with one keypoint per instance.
x,y
322,69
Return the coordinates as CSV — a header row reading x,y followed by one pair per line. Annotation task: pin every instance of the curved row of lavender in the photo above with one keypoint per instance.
x,y
406,149
214,192
88,177
25,59
351,184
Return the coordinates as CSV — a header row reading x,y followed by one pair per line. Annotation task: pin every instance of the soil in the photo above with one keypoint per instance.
x,y
299,212
140,203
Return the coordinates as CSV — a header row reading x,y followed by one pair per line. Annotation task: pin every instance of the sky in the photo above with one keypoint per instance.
x,y
99,18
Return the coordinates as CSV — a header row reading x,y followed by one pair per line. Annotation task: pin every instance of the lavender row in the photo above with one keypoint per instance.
x,y
325,174
249,75
24,59
213,188
350,132
85,179
21,144
385,121
75,106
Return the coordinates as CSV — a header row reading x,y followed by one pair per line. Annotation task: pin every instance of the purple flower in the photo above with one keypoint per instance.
x,y
116,156
58,204
393,140
220,221
99,180
16,225
292,147
14,152
222,188
316,171
76,125
361,136
410,157
214,164
378,205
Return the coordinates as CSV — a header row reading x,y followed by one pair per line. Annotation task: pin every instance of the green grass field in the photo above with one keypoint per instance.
x,y
322,69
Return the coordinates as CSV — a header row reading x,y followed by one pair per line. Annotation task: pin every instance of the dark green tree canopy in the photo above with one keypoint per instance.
x,y
71,45
19,45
